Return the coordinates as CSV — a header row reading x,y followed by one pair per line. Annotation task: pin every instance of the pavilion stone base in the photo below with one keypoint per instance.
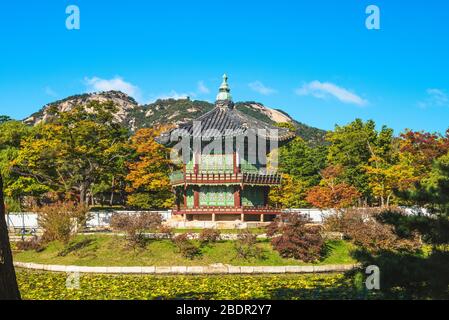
x,y
226,225
230,217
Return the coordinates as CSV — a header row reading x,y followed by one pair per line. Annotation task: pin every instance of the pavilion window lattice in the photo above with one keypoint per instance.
x,y
214,196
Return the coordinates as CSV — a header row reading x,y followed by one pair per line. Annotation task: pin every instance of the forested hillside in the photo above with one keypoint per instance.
x,y
169,111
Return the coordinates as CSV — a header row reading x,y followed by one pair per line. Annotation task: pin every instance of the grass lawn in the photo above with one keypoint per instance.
x,y
52,286
103,250
229,231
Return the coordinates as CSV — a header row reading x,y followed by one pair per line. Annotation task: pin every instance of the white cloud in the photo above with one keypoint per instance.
x,y
174,95
202,88
259,87
324,90
117,83
50,92
435,98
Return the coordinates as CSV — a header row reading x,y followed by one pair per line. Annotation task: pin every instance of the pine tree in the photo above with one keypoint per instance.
x,y
419,274
8,283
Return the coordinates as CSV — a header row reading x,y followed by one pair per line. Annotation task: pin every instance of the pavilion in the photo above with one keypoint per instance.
x,y
227,170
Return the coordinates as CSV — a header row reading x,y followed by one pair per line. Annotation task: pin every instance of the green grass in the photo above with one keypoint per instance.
x,y
52,286
103,250
229,231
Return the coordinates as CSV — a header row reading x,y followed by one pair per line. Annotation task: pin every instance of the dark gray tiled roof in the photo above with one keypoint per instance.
x,y
225,121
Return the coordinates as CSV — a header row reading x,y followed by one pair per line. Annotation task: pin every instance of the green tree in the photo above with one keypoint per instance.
x,y
16,188
302,161
4,119
388,169
355,146
300,165
74,150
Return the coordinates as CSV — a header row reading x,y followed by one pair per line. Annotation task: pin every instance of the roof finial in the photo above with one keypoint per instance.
x,y
224,91
225,80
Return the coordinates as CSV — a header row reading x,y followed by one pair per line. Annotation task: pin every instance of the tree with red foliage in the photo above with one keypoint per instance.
x,y
293,236
331,193
424,148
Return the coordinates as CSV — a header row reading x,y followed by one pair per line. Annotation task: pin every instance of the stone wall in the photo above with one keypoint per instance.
x,y
211,269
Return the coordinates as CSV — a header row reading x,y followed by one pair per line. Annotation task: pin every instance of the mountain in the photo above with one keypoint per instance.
x,y
175,111
126,106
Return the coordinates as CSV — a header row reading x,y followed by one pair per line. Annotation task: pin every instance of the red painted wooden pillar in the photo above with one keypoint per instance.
x,y
265,196
237,197
196,197
234,161
196,167
178,201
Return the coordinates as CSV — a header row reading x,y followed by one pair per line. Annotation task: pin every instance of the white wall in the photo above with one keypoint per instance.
x,y
315,214
102,218
28,220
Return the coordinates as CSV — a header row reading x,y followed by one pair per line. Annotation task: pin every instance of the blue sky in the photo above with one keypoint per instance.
x,y
314,59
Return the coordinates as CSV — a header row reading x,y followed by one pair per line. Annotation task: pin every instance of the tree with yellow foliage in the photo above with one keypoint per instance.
x,y
388,169
290,194
72,152
385,178
148,177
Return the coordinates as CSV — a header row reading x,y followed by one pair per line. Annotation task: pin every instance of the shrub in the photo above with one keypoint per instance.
x,y
208,236
186,246
134,225
364,228
246,245
32,244
293,236
166,230
61,220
